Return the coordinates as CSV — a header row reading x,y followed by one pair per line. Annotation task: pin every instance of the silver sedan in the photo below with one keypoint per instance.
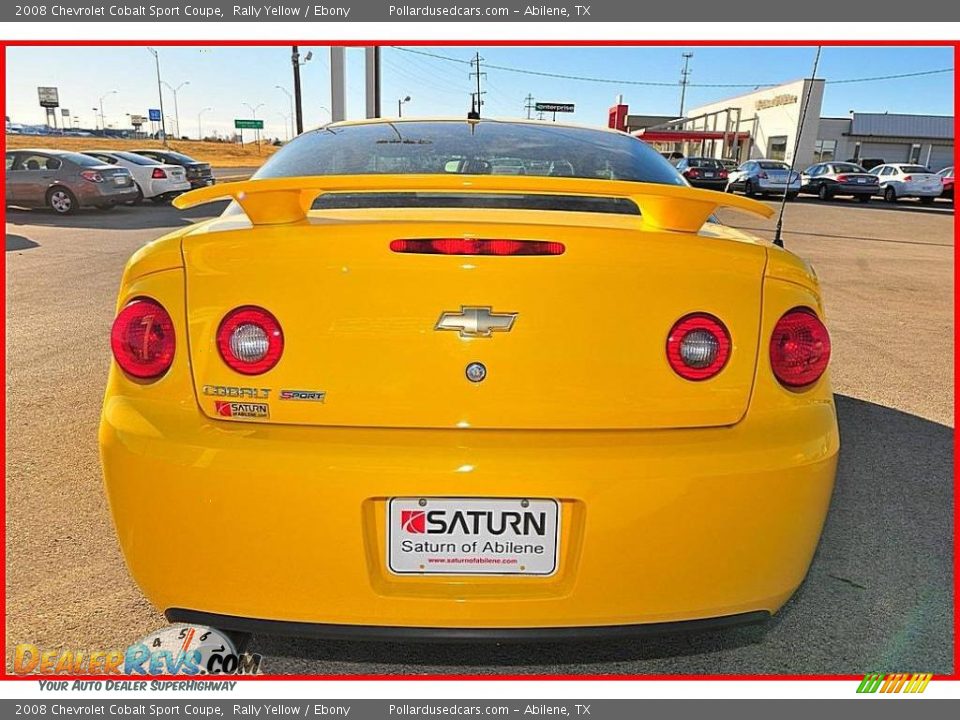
x,y
764,177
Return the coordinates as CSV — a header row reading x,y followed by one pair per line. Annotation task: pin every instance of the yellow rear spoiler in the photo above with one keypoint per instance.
x,y
275,201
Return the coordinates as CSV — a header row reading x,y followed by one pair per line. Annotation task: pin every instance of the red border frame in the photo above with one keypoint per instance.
x,y
4,676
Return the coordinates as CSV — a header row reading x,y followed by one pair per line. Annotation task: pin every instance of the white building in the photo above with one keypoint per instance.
x,y
764,124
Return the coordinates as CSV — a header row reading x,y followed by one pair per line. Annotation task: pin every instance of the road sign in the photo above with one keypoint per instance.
x,y
248,124
553,107
154,114
49,97
64,112
138,120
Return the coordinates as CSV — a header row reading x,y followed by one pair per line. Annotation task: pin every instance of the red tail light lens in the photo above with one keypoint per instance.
x,y
723,174
250,340
698,346
692,172
799,348
907,178
474,246
159,174
143,340
91,175
843,178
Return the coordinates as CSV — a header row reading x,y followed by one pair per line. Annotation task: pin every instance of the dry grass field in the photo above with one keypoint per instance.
x,y
217,154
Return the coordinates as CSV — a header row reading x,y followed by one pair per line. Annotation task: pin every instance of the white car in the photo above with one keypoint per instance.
x,y
903,180
155,181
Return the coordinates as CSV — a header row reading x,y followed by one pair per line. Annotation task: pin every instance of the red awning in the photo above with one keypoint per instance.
x,y
681,135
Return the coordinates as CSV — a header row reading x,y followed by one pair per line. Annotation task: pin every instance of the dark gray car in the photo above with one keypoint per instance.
x,y
829,179
65,181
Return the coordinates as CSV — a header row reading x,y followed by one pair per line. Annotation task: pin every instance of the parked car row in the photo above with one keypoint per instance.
x,y
66,181
891,181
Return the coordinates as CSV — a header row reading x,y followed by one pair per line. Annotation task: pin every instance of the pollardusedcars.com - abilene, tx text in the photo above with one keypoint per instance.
x,y
197,11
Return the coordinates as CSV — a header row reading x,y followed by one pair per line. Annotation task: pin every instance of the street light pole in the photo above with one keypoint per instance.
x,y
176,104
254,111
163,124
103,122
400,103
292,111
199,126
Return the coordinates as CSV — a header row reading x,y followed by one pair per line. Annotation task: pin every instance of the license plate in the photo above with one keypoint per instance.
x,y
472,536
862,181
120,180
708,174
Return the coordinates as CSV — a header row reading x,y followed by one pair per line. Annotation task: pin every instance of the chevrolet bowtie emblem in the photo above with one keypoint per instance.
x,y
475,321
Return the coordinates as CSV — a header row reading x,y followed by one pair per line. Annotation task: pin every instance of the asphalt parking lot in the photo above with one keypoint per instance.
x,y
878,597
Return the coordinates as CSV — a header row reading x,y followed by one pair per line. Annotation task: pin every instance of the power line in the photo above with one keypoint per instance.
x,y
650,83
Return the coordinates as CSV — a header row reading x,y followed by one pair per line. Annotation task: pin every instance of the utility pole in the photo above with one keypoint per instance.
x,y
529,106
478,97
295,59
684,75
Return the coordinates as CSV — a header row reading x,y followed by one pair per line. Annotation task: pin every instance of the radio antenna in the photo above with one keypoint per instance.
x,y
778,235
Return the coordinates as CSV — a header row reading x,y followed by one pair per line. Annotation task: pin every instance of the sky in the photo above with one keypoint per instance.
x,y
228,79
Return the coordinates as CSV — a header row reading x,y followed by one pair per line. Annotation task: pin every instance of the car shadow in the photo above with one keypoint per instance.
x,y
878,594
940,207
19,242
122,217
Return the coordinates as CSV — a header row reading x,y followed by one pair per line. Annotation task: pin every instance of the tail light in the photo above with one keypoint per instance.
x,y
158,174
692,172
250,340
723,175
907,178
91,175
475,246
143,340
799,348
843,178
698,346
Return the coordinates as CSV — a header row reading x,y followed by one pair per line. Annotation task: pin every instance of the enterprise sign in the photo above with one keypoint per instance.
x,y
553,107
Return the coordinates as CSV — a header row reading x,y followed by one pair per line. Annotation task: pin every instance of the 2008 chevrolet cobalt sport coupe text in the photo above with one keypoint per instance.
x,y
463,379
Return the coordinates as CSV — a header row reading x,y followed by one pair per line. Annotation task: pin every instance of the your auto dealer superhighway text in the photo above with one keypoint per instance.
x,y
197,11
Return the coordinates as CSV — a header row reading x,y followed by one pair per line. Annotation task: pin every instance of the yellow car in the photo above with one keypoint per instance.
x,y
467,379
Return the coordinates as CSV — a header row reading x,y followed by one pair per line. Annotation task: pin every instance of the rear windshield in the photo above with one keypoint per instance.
x,y
81,160
135,159
772,165
704,163
484,148
913,169
462,148
847,168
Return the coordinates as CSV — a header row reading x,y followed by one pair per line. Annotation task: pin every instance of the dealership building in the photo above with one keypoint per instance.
x,y
764,124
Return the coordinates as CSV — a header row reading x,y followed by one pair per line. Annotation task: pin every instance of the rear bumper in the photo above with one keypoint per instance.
x,y
719,184
100,194
856,190
776,188
386,633
288,523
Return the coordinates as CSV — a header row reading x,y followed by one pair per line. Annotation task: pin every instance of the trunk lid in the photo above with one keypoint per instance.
x,y
586,348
